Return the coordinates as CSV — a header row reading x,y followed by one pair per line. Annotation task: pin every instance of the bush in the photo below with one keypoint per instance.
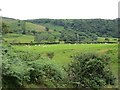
x,y
50,55
22,68
90,70
13,73
28,56
45,73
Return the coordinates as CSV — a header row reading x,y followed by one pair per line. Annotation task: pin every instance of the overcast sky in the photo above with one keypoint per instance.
x,y
59,9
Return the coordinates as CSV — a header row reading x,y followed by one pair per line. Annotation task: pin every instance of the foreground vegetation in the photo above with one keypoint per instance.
x,y
51,66
29,61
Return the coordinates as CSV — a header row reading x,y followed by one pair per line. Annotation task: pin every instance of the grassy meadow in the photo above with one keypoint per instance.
x,y
18,38
63,52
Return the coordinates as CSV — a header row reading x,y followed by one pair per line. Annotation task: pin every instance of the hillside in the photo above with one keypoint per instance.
x,y
67,30
100,27
15,24
20,31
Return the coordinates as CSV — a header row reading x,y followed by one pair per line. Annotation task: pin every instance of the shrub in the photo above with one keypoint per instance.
x,y
45,73
20,69
28,56
50,55
13,72
90,70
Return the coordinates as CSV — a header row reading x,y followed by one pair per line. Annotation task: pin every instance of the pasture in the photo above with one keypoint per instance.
x,y
63,52
18,38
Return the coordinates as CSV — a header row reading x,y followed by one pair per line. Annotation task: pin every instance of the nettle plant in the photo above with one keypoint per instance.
x,y
90,70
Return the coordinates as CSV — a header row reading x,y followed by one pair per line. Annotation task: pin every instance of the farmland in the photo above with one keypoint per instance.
x,y
63,52
18,38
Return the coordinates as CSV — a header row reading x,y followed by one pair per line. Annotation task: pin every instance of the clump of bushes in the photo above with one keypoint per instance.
x,y
28,56
13,72
45,73
89,70
17,71
50,55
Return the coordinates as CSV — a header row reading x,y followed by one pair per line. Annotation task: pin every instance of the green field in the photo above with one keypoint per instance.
x,y
101,39
63,52
18,38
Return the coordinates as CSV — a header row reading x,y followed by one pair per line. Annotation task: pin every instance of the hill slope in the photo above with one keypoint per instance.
x,y
100,27
67,30
15,25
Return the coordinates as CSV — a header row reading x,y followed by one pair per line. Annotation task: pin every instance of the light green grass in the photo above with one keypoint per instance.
x,y
101,39
34,27
16,38
13,25
64,51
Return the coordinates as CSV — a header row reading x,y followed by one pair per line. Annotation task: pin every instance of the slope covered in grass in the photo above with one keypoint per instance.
x,y
18,38
15,25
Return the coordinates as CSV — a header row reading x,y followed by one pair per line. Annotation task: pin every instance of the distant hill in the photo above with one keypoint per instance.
x,y
67,30
100,27
15,24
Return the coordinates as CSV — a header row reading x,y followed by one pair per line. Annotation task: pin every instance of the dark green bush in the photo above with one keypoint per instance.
x,y
90,70
50,55
19,69
14,72
44,72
